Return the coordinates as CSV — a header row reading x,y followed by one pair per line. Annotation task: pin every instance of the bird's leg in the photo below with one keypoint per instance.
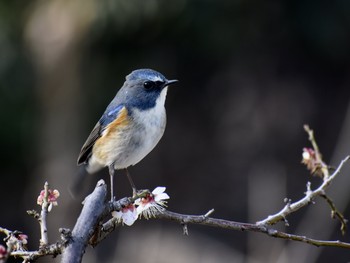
x,y
134,191
111,175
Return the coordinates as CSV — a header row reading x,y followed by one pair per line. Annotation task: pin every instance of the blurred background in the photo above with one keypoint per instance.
x,y
251,74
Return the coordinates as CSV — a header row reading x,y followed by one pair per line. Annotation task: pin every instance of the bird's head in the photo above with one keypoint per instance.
x,y
144,88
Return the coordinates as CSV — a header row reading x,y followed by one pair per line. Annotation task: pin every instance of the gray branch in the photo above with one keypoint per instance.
x,y
227,224
91,227
94,206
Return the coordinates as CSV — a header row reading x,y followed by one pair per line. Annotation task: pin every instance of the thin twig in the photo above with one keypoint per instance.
x,y
322,165
336,214
309,196
319,167
313,141
50,250
44,240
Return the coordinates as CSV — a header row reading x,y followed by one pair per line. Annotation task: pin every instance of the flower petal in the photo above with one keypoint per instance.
x,y
158,190
129,217
162,196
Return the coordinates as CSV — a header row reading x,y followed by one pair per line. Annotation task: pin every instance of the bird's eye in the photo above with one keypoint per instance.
x,y
148,84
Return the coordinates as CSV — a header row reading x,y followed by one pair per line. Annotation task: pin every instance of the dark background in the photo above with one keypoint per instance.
x,y
251,74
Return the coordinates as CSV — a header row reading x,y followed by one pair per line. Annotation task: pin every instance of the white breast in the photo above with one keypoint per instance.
x,y
149,126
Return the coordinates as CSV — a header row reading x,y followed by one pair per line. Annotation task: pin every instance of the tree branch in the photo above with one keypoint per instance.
x,y
336,214
94,206
44,240
309,196
95,223
29,256
316,165
184,220
226,224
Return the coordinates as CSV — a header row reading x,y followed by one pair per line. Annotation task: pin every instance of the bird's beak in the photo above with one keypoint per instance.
x,y
169,82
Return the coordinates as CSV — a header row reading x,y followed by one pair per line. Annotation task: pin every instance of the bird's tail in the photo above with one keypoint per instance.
x,y
77,185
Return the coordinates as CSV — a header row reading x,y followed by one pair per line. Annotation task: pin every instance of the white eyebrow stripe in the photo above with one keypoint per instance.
x,y
156,78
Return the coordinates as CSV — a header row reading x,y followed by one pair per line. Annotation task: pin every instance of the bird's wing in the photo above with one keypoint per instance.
x,y
110,115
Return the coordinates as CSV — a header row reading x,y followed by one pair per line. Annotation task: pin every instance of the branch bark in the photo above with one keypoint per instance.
x,y
185,220
44,240
94,206
227,224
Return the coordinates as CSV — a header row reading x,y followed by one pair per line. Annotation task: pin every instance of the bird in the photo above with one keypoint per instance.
x,y
130,127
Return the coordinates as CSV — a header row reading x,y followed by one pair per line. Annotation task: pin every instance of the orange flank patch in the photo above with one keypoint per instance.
x,y
110,139
120,122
